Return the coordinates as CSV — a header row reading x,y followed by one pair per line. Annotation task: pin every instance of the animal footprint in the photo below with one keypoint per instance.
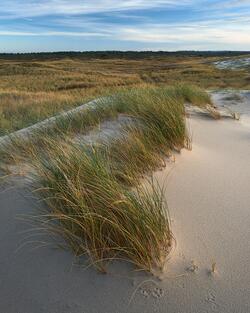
x,y
145,293
211,298
193,268
157,293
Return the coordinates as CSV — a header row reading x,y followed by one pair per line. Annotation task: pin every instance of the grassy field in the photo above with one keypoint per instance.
x,y
32,89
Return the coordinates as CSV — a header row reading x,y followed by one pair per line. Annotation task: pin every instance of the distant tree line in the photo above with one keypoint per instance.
x,y
116,54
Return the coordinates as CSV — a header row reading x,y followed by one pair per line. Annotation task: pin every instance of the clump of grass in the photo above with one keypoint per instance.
x,y
146,103
154,107
160,128
97,215
90,187
94,194
132,156
197,97
193,94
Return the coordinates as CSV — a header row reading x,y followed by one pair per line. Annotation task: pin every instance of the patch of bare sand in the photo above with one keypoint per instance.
x,y
208,193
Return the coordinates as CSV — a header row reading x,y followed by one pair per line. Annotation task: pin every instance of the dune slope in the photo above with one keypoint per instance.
x,y
209,200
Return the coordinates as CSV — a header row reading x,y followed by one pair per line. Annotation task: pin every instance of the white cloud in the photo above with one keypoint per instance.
x,y
52,33
227,29
15,33
186,34
233,3
32,8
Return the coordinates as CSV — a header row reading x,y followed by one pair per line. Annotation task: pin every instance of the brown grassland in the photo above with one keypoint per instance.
x,y
33,89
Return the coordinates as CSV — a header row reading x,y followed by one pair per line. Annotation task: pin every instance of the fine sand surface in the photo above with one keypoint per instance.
x,y
209,200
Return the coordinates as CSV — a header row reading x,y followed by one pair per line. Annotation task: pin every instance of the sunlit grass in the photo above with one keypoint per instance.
x,y
100,198
32,90
99,216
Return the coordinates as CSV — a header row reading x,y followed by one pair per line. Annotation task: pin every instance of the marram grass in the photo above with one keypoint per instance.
x,y
147,103
97,215
95,195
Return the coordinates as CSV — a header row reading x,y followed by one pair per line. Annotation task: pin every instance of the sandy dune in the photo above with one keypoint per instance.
x,y
233,64
209,200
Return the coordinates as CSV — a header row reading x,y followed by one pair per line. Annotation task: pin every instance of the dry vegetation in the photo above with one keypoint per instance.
x,y
93,192
31,90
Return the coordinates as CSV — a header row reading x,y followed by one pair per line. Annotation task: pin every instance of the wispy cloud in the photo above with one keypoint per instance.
x,y
187,34
52,33
33,8
233,3
156,33
189,24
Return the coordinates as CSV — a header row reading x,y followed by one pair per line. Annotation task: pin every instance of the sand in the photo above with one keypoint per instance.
x,y
233,64
209,201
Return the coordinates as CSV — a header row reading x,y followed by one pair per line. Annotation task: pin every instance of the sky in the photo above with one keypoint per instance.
x,y
84,25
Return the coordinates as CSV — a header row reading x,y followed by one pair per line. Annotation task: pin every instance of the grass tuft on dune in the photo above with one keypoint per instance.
x,y
99,216
100,198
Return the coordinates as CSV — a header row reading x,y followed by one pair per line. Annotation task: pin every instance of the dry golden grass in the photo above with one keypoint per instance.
x,y
33,90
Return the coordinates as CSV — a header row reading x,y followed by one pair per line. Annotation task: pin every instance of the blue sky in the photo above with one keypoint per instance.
x,y
59,25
